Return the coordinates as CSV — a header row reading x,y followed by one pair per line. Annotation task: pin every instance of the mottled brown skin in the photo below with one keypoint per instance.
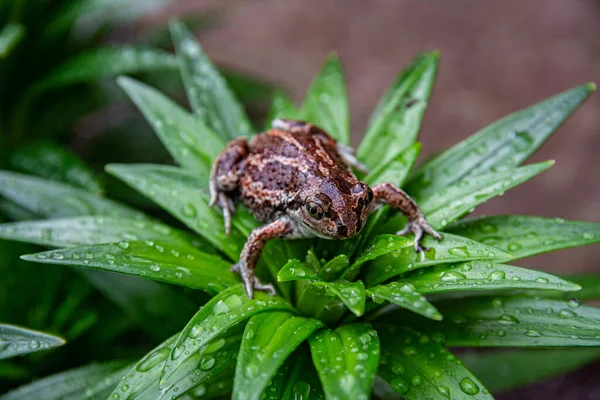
x,y
298,180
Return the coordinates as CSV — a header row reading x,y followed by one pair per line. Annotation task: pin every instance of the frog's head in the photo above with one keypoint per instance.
x,y
336,209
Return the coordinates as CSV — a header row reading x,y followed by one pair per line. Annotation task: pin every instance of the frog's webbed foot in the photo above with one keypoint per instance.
x,y
419,226
251,282
226,204
349,156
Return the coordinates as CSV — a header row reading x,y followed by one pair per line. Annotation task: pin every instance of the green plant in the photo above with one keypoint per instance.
x,y
352,318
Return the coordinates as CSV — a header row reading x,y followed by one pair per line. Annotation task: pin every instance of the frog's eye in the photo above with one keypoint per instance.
x,y
315,210
369,195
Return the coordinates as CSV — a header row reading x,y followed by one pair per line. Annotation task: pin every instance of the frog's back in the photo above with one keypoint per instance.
x,y
281,164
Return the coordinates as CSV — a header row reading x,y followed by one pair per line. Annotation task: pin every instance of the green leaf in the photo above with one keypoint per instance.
x,y
419,367
333,267
207,91
212,362
453,249
79,231
326,102
72,384
189,141
406,296
590,287
296,379
511,321
524,236
454,201
55,200
352,294
10,36
480,275
55,163
281,107
395,170
396,121
380,246
141,381
178,192
108,61
223,311
166,262
295,270
269,339
16,341
504,370
504,144
346,360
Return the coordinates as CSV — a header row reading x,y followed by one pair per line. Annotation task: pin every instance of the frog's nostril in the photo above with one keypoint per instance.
x,y
339,223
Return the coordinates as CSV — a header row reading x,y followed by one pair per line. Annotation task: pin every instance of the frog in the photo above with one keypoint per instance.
x,y
299,181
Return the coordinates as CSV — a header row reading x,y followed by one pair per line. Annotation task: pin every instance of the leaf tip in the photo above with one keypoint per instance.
x,y
437,316
591,86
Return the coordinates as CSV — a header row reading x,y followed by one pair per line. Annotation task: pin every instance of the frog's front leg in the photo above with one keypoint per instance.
x,y
278,229
386,193
225,177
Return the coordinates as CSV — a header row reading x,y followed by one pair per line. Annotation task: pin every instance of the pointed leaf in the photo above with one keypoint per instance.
x,y
178,192
269,339
525,236
456,200
419,367
223,311
55,200
511,321
53,162
296,379
480,275
281,107
397,169
295,270
380,246
10,36
107,61
352,294
396,121
190,142
326,102
72,383
504,370
207,91
15,341
453,249
504,144
334,267
165,262
346,360
406,296
77,231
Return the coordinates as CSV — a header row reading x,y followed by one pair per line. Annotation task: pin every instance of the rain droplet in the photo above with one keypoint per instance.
x,y
188,210
459,251
588,235
196,331
507,319
497,275
123,245
566,313
452,276
533,334
206,363
573,303
153,359
469,387
154,267
399,385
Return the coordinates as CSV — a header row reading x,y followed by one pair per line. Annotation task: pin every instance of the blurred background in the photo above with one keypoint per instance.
x,y
497,58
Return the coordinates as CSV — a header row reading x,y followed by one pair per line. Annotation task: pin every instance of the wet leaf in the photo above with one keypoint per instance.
x,y
207,91
73,384
326,102
509,369
332,268
396,120
454,201
16,341
381,245
419,367
191,143
10,36
503,144
295,270
453,249
511,321
346,360
406,296
165,262
281,107
481,275
525,236
223,311
352,294
53,162
269,338
108,61
178,192
51,199
395,170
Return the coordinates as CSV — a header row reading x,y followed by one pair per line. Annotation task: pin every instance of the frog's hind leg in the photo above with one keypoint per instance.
x,y
225,178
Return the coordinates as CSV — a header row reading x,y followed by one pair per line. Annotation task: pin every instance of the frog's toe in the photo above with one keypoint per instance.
x,y
419,226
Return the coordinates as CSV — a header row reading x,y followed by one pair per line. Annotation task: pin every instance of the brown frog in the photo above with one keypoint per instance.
x,y
299,180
